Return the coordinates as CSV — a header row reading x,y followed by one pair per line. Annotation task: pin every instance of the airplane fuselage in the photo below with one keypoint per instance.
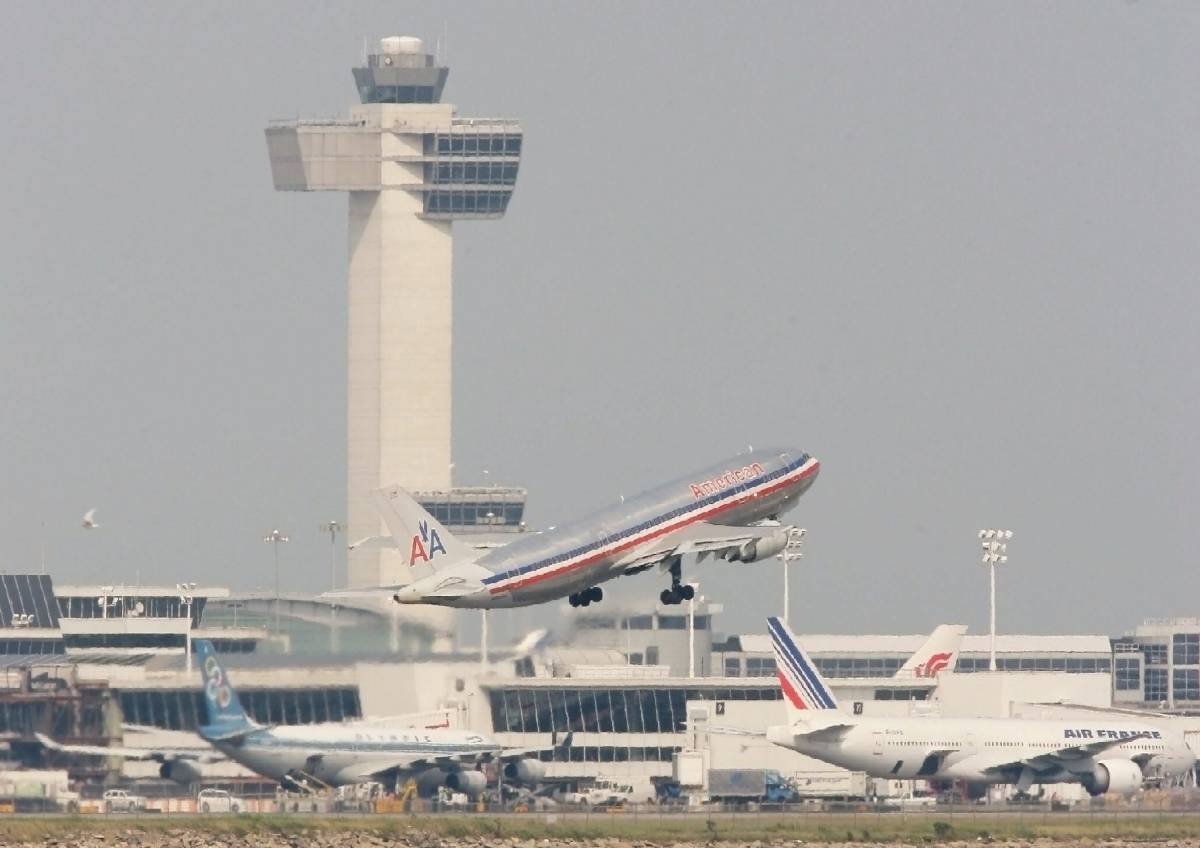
x,y
338,754
555,563
975,749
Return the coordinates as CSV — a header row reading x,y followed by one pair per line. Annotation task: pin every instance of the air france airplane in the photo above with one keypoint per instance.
x,y
1103,754
730,510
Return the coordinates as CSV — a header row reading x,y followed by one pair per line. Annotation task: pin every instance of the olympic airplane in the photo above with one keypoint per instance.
x,y
1103,754
309,756
729,510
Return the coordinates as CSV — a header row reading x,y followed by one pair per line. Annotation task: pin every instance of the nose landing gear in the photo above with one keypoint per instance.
x,y
593,595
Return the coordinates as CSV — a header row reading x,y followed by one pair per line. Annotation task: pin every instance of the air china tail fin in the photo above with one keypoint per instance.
x,y
940,652
425,545
805,693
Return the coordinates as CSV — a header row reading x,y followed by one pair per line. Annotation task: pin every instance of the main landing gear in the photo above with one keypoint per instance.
x,y
679,592
593,595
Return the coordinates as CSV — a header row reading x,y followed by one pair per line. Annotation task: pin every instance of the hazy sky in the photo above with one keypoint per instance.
x,y
950,249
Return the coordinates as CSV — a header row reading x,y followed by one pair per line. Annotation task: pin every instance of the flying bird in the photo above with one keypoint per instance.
x,y
89,520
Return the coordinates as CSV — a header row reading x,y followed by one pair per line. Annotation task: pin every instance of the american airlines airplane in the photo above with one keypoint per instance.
x,y
1103,754
730,510
308,756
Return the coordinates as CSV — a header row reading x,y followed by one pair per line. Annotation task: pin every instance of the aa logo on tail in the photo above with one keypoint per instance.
x,y
933,665
425,545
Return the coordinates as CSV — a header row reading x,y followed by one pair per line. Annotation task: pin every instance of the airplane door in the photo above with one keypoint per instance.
x,y
877,748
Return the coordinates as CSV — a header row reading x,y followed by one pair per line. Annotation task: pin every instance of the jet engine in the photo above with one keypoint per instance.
x,y
430,781
757,549
180,771
1121,776
527,771
471,783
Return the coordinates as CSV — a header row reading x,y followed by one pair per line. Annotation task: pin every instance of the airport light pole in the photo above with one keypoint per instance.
x,y
483,640
186,598
332,528
995,548
793,550
692,630
275,538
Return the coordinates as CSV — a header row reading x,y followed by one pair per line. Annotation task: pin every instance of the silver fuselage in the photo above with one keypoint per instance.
x,y
554,563
338,753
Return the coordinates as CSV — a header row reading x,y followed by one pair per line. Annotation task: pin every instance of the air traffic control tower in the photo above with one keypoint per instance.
x,y
410,168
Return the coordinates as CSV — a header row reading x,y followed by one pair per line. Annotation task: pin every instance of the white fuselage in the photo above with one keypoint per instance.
x,y
543,566
983,750
342,753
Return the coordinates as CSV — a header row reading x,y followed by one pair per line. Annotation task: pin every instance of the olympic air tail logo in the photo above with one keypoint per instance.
x,y
935,664
425,545
215,685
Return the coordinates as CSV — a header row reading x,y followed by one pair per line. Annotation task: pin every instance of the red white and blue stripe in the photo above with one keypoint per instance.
x,y
704,509
802,685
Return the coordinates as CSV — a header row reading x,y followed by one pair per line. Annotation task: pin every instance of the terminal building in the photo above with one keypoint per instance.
x,y
635,687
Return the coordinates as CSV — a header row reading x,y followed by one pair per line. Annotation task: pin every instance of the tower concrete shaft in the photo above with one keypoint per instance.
x,y
410,167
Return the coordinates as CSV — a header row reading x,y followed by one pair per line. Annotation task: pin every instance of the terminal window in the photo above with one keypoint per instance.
x,y
857,666
617,710
733,667
1155,654
1128,674
1186,648
185,710
760,666
1186,683
1156,684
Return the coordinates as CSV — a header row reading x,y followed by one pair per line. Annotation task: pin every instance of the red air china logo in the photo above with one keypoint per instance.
x,y
933,665
425,545
727,480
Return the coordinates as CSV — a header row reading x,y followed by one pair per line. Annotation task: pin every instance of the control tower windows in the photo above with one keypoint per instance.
x,y
475,144
467,201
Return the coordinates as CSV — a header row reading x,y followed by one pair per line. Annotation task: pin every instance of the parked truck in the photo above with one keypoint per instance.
x,y
832,784
37,791
745,786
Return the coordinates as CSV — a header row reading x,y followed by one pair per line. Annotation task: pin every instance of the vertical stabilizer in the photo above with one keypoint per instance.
x,y
425,545
806,694
226,718
940,652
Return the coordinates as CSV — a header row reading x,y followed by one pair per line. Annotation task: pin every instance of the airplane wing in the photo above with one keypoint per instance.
x,y
1066,754
704,538
374,768
160,755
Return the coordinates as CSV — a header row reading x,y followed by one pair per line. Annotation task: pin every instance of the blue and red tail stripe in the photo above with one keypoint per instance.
x,y
802,684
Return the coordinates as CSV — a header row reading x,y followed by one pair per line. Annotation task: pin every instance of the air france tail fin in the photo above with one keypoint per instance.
x,y
226,718
425,545
805,693
940,652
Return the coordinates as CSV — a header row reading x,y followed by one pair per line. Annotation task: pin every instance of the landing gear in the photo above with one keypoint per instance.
x,y
679,592
593,595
